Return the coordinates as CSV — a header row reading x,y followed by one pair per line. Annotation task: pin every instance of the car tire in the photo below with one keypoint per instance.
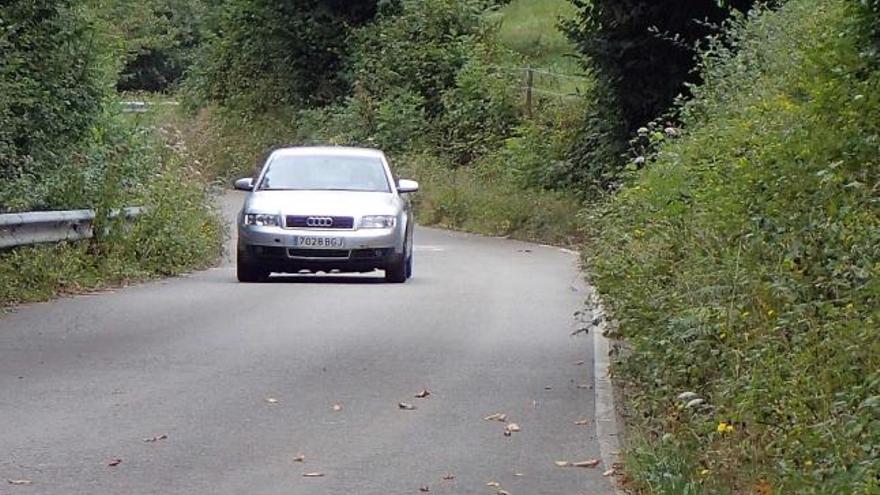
x,y
395,273
409,267
249,273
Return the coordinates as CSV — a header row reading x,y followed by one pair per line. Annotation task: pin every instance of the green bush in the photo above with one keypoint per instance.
x,y
180,231
742,265
260,54
51,83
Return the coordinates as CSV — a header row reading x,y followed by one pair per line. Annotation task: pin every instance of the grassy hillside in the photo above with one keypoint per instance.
x,y
743,264
530,28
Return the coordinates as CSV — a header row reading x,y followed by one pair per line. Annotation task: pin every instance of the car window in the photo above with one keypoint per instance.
x,y
326,173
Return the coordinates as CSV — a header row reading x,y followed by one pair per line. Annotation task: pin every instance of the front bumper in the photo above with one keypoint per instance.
x,y
363,250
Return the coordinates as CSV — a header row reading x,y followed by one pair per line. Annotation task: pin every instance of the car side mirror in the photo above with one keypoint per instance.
x,y
246,184
407,186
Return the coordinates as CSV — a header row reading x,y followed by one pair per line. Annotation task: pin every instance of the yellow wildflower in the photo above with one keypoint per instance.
x,y
724,427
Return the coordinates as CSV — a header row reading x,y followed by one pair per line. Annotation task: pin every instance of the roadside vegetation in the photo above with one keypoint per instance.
x,y
743,261
64,145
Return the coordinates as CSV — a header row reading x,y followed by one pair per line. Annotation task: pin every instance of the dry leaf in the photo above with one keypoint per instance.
x,y
608,472
582,422
313,475
156,439
272,400
496,417
493,484
337,407
424,393
448,477
579,363
584,385
507,432
114,462
502,492
424,488
405,406
562,463
19,482
299,458
763,488
587,464
518,475
512,427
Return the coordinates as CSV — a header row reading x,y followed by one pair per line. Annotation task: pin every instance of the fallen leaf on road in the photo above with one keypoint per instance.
x,y
562,463
579,363
448,477
337,407
502,492
299,458
518,475
512,427
496,417
609,472
584,385
548,388
493,484
19,482
406,406
272,400
114,462
586,464
424,393
156,438
313,475
582,422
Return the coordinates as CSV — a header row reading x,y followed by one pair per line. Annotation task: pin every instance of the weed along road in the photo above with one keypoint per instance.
x,y
309,385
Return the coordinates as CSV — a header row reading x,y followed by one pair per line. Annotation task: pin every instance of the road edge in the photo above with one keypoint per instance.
x,y
606,420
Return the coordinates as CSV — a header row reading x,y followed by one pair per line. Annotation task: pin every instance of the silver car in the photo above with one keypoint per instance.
x,y
320,209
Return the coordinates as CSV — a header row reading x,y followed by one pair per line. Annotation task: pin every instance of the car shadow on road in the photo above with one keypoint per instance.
x,y
325,279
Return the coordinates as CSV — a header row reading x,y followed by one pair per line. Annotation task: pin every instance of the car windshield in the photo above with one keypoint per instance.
x,y
325,173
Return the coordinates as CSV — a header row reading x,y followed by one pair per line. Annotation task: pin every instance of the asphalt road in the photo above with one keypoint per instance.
x,y
238,380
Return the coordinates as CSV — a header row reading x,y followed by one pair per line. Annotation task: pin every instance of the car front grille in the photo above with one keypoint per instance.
x,y
318,222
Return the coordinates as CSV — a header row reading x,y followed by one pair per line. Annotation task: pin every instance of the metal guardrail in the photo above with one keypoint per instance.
x,y
36,227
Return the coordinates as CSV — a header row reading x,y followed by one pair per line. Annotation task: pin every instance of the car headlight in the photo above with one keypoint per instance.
x,y
378,222
262,220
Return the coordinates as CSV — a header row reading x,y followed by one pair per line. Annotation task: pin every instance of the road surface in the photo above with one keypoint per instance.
x,y
235,381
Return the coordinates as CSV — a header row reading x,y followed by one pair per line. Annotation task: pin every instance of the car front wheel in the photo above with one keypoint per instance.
x,y
247,272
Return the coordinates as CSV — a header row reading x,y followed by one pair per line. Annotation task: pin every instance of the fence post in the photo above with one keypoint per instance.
x,y
530,75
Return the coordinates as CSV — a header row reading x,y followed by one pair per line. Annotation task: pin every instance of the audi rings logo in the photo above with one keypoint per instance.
x,y
319,222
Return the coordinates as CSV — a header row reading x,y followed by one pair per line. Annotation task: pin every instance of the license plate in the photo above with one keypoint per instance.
x,y
302,241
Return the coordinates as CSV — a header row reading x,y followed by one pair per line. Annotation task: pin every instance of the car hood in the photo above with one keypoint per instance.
x,y
329,203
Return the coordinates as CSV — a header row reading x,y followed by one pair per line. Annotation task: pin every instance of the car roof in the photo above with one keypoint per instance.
x,y
328,151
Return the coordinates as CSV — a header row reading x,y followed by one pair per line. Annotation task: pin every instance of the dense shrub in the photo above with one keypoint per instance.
x,y
419,48
262,53
51,83
742,265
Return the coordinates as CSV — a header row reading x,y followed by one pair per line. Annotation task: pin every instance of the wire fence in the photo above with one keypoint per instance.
x,y
540,82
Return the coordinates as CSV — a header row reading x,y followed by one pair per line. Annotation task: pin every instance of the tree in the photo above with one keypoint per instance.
x,y
278,52
644,50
